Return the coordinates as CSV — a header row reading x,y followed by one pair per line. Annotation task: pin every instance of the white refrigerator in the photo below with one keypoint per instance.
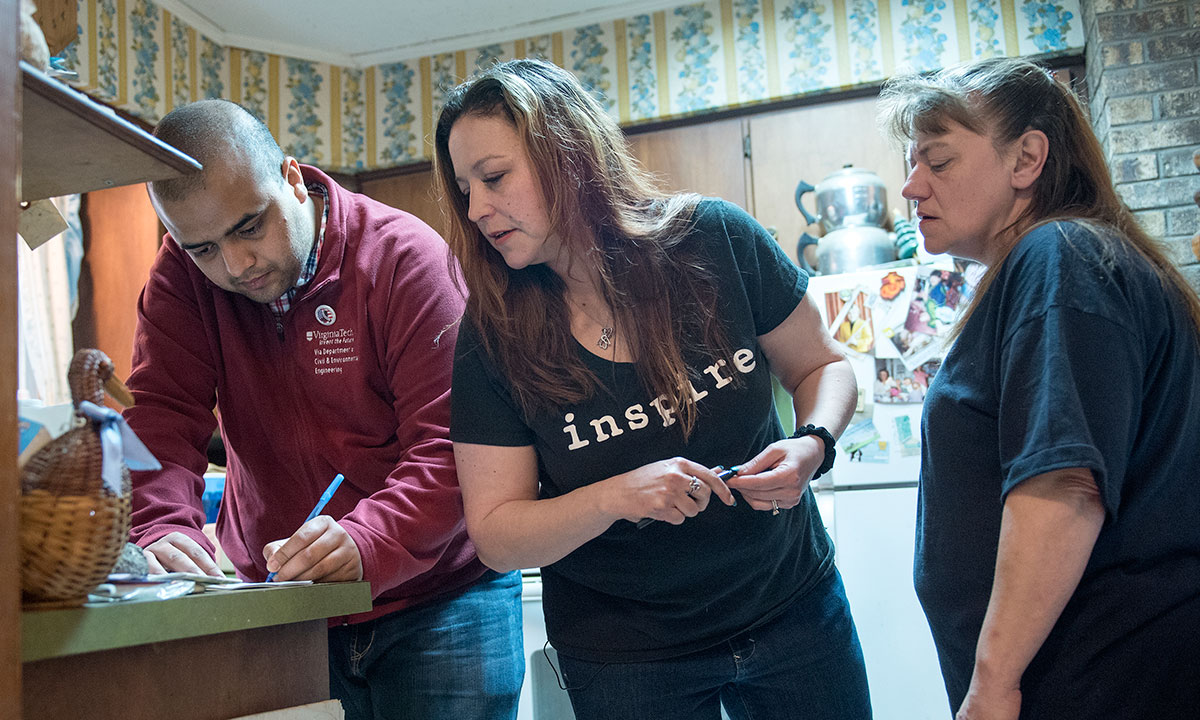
x,y
892,323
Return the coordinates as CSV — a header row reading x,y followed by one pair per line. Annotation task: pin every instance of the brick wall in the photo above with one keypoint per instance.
x,y
1143,73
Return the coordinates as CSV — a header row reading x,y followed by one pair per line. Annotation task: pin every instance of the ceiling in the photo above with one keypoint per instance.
x,y
361,33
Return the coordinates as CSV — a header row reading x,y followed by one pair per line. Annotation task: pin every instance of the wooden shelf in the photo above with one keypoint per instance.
x,y
73,144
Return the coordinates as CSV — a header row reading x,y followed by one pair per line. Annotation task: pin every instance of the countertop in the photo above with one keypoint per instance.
x,y
93,627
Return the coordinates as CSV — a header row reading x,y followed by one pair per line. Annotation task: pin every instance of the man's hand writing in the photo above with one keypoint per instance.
x,y
321,551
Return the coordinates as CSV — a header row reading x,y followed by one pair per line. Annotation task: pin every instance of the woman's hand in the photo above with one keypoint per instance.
x,y
779,473
990,701
1048,529
812,369
512,528
668,490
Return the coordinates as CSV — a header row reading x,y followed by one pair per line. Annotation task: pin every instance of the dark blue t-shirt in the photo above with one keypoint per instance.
x,y
666,590
1072,360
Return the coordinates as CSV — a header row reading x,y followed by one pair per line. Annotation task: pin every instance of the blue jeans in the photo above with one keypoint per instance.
x,y
459,658
806,663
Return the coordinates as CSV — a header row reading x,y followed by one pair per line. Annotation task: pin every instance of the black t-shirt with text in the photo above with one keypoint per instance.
x,y
1072,361
666,590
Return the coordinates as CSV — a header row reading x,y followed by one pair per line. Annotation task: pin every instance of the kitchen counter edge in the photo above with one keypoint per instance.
x,y
55,633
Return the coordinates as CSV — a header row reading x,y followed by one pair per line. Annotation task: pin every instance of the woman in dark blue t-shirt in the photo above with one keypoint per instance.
x,y
1058,536
616,355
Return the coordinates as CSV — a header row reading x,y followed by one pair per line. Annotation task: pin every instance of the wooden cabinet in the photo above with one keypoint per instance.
x,y
69,144
808,143
757,161
122,235
412,192
707,158
219,654
754,161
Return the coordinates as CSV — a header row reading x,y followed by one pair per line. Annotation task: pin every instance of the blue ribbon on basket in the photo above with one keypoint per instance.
x,y
117,443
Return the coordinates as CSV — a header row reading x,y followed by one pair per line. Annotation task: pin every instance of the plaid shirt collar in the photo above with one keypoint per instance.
x,y
284,303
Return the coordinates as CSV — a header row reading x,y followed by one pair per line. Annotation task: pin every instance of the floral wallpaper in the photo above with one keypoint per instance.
x,y
144,19
748,48
304,80
693,69
251,87
589,48
643,82
922,33
399,140
808,36
106,51
212,69
693,58
983,16
864,51
350,144
178,54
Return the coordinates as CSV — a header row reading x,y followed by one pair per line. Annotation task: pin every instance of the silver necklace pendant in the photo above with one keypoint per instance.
x,y
606,336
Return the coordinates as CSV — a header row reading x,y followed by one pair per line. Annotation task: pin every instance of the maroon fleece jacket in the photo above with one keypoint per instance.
x,y
355,379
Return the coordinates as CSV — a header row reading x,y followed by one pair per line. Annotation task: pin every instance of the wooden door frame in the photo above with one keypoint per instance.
x,y
10,168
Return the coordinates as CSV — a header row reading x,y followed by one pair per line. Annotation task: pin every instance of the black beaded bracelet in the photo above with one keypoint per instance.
x,y
830,450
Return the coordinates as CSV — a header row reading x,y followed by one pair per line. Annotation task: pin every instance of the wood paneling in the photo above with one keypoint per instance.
x,y
10,167
705,158
215,676
411,192
807,144
121,235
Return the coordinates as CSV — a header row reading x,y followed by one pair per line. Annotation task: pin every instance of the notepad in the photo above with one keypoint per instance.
x,y
205,582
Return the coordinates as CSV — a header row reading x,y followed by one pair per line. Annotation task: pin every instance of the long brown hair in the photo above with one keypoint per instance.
x,y
1003,98
608,211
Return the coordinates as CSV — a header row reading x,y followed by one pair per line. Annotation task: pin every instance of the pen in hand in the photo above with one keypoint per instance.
x,y
333,486
723,476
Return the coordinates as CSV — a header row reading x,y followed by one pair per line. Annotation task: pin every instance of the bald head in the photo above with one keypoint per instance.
x,y
215,133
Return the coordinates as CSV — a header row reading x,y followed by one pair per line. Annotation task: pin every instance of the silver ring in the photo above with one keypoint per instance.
x,y
774,507
694,486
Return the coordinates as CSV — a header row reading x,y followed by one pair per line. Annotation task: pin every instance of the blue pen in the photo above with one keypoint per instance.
x,y
329,491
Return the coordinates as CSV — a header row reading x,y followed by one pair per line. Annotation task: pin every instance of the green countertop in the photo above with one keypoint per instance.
x,y
55,633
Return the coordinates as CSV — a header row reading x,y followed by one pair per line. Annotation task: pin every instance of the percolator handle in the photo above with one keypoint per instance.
x,y
802,188
805,241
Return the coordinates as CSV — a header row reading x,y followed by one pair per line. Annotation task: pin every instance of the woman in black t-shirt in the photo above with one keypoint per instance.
x,y
615,357
1058,548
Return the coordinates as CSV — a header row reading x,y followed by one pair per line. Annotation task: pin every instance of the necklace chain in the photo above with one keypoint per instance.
x,y
607,332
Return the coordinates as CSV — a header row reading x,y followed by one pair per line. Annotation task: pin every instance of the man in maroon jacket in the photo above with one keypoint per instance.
x,y
314,321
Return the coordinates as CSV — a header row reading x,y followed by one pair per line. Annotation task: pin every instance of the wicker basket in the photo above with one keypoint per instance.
x,y
73,527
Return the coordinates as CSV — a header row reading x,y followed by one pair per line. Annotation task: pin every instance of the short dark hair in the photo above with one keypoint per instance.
x,y
209,130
